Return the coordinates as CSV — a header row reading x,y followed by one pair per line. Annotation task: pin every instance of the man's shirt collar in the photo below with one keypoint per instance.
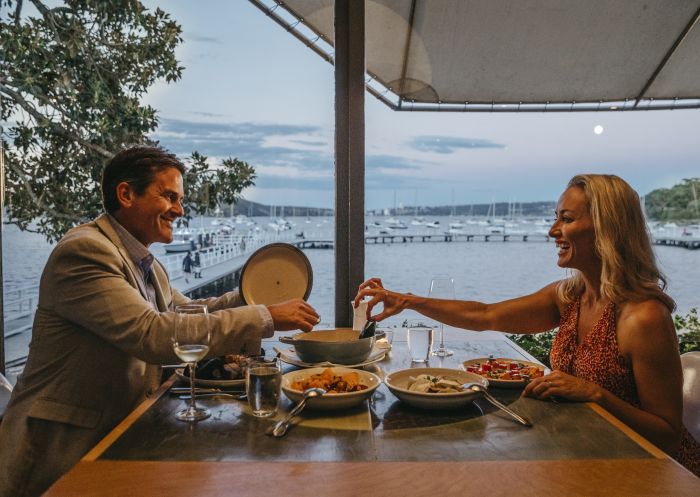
x,y
137,251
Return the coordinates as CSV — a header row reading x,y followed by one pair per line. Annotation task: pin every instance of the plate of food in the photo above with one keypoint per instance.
x,y
345,387
503,372
222,372
434,388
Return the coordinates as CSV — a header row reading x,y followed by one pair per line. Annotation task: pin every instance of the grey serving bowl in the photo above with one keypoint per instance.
x,y
339,346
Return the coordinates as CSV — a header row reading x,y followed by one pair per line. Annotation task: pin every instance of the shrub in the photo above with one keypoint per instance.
x,y
688,329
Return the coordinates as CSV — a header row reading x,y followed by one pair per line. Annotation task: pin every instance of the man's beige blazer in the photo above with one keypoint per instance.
x,y
95,352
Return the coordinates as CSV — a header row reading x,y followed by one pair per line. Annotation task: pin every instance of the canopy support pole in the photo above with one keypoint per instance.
x,y
349,155
2,280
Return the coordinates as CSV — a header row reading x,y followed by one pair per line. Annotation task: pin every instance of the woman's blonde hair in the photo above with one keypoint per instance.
x,y
622,241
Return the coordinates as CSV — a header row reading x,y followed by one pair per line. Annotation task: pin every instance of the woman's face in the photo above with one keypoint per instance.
x,y
573,231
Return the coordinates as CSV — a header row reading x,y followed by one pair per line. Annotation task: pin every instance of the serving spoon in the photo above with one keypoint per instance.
x,y
475,387
368,330
280,428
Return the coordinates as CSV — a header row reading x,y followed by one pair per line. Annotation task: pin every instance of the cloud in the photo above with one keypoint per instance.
x,y
286,155
450,144
203,39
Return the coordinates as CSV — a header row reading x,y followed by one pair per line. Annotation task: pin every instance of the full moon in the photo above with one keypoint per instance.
x,y
598,130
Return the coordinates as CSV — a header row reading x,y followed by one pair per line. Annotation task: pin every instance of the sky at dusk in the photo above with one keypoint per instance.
x,y
251,90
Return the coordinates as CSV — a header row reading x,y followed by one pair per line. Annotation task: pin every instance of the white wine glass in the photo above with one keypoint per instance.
x,y
191,344
442,286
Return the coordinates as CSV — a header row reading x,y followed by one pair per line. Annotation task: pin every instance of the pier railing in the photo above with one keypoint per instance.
x,y
227,247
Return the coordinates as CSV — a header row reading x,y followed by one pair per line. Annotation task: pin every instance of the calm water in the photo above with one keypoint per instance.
x,y
482,271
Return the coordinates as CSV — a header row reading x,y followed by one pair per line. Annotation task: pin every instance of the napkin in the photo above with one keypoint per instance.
x,y
359,317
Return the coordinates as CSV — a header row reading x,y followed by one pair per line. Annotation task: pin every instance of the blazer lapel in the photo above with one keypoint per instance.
x,y
161,283
106,228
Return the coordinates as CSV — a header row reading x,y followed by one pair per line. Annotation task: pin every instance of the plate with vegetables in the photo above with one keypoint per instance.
x,y
504,372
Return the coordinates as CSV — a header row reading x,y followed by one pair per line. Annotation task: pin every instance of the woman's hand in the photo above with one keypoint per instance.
x,y
393,302
565,386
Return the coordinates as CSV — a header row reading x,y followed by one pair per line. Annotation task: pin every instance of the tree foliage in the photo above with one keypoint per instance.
x,y
72,77
679,203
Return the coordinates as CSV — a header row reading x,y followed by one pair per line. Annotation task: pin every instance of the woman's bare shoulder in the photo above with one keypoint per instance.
x,y
643,313
645,323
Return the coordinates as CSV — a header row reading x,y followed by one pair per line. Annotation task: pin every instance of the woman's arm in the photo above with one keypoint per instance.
x,y
529,314
646,337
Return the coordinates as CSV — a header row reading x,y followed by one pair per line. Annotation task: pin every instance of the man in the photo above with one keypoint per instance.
x,y
104,323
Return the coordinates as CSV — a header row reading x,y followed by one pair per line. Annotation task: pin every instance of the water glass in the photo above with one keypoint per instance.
x,y
420,341
263,382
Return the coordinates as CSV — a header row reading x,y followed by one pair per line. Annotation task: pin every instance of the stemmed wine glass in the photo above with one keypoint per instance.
x,y
191,343
442,286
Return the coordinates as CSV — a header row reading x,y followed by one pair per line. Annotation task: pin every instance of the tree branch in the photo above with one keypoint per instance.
x,y
18,12
37,200
22,102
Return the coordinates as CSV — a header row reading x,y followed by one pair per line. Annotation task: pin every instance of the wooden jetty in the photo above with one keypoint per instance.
x,y
688,242
429,237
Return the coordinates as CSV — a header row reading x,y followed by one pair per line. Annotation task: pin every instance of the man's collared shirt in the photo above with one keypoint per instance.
x,y
140,256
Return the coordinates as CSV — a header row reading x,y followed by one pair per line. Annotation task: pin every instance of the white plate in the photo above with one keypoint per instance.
x,y
331,401
398,382
275,273
237,384
495,382
378,353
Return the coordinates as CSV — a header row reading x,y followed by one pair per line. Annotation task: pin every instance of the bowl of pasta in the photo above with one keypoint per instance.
x,y
345,387
433,388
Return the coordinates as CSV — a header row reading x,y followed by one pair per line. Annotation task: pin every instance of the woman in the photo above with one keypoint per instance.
x,y
187,266
616,344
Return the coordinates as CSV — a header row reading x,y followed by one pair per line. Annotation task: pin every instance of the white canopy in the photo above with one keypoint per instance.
x,y
505,55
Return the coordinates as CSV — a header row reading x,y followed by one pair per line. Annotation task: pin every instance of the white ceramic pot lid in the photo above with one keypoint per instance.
x,y
275,273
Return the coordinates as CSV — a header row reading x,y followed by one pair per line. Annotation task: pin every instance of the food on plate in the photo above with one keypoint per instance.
x,y
427,383
228,367
330,382
505,369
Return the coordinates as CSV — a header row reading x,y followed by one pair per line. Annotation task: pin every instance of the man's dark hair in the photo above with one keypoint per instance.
x,y
136,166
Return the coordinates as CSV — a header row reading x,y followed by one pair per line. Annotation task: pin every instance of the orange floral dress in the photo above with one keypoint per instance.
x,y
598,360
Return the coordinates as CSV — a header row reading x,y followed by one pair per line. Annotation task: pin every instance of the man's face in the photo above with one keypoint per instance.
x,y
149,217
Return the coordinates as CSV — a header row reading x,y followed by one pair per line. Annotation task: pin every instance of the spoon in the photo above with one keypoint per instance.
x,y
280,428
368,330
475,387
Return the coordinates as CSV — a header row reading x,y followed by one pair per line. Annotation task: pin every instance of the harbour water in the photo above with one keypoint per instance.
x,y
485,271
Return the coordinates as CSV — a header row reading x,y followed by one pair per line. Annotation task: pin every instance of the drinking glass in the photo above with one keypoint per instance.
x,y
420,341
191,344
442,286
263,382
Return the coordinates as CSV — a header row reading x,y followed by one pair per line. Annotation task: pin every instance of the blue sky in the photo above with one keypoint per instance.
x,y
251,90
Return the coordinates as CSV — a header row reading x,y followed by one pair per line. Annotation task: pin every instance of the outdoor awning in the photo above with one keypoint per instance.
x,y
525,55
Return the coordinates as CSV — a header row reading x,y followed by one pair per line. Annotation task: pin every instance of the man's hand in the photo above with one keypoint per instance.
x,y
293,314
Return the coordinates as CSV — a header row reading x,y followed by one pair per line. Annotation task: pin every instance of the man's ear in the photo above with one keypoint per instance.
x,y
125,194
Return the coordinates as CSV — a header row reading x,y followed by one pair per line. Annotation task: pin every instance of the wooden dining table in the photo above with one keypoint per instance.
x,y
383,447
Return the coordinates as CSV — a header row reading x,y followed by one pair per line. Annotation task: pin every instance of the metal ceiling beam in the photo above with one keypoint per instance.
x,y
668,56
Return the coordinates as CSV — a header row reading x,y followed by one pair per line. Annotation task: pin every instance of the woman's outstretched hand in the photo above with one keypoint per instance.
x,y
393,302
562,385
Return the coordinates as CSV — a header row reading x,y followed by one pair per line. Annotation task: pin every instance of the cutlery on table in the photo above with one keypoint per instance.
x,y
280,428
215,394
475,387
